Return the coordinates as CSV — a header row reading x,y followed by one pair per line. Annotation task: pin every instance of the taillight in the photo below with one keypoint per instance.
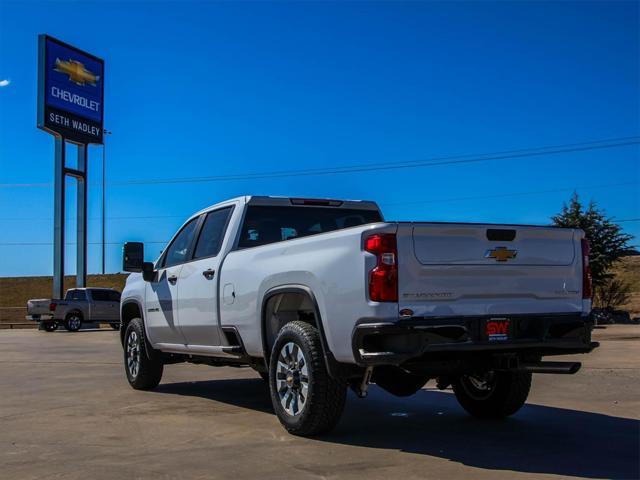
x,y
383,278
586,269
52,306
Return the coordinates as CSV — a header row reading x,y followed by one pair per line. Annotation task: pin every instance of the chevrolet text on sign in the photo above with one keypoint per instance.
x,y
70,91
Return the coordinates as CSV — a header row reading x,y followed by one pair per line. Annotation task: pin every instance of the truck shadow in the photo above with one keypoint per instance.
x,y
538,439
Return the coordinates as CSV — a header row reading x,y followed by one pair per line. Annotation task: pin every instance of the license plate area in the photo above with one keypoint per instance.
x,y
497,329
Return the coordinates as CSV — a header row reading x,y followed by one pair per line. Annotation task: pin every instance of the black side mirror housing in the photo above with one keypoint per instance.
x,y
148,273
133,261
133,257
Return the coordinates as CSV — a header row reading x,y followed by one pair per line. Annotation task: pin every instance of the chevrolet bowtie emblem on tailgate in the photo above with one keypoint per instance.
x,y
501,254
77,72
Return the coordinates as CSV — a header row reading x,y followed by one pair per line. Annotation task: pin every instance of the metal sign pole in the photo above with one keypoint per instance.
x,y
81,222
58,219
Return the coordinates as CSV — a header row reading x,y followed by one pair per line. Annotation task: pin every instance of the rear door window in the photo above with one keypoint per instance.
x,y
100,295
212,233
267,224
113,296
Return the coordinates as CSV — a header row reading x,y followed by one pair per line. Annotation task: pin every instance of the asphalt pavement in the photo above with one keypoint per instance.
x,y
67,412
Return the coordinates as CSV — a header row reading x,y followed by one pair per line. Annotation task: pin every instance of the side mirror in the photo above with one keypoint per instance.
x,y
148,273
133,261
133,257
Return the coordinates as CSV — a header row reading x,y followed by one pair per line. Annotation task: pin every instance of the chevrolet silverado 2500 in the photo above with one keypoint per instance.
x,y
322,295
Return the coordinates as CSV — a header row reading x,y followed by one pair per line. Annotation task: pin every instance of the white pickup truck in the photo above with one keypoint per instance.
x,y
322,295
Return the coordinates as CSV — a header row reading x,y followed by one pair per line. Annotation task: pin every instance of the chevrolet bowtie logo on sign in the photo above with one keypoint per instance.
x,y
76,71
501,254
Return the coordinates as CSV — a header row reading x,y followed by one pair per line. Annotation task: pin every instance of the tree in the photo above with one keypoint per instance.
x,y
608,242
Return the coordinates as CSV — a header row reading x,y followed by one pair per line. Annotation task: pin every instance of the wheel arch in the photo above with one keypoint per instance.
x,y
74,311
270,294
128,311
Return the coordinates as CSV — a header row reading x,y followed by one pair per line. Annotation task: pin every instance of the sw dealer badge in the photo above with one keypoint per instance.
x,y
497,329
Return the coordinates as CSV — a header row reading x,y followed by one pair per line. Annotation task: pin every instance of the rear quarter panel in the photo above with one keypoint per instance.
x,y
332,265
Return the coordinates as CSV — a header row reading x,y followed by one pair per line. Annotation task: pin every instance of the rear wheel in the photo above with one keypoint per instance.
x,y
143,368
305,398
492,394
73,322
50,326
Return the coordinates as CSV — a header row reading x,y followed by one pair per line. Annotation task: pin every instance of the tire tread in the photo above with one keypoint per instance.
x,y
151,366
329,394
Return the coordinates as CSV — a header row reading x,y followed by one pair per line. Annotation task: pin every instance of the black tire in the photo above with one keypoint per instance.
x,y
73,321
115,325
504,395
325,396
397,381
142,366
264,376
50,326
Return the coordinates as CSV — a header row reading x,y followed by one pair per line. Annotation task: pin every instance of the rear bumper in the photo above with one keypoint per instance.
x,y
40,318
394,343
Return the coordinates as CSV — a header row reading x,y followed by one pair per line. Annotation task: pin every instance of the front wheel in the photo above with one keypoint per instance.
x,y
492,394
73,322
306,399
144,369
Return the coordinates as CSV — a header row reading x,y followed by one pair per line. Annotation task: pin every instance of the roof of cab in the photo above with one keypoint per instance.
x,y
293,201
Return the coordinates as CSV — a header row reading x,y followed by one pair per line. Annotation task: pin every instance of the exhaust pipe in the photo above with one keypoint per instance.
x,y
567,368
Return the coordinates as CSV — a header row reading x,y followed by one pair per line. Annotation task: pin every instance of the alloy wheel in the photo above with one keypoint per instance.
x,y
292,379
133,354
479,386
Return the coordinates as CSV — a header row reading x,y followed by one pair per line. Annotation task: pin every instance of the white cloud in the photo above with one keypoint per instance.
x,y
5,83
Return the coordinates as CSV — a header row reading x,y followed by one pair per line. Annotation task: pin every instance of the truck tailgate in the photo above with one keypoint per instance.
x,y
39,306
474,269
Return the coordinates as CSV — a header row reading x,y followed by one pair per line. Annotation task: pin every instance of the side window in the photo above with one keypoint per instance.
x,y
179,250
99,295
78,295
212,233
113,296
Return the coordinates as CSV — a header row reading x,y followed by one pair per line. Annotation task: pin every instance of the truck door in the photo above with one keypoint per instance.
x,y
99,303
199,282
113,314
161,295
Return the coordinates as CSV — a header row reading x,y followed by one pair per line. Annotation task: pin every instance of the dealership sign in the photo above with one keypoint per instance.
x,y
70,91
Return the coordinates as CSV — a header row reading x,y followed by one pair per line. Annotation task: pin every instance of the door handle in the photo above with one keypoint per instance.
x,y
172,279
209,273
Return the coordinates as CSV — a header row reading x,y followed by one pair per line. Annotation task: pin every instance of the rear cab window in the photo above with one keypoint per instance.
x,y
269,224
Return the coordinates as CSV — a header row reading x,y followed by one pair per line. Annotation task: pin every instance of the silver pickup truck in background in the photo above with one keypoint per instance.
x,y
79,305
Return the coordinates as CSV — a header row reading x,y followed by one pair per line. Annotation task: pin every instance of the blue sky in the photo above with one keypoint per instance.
x,y
206,89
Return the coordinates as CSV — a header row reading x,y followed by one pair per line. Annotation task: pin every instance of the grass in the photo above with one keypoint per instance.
x,y
628,270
